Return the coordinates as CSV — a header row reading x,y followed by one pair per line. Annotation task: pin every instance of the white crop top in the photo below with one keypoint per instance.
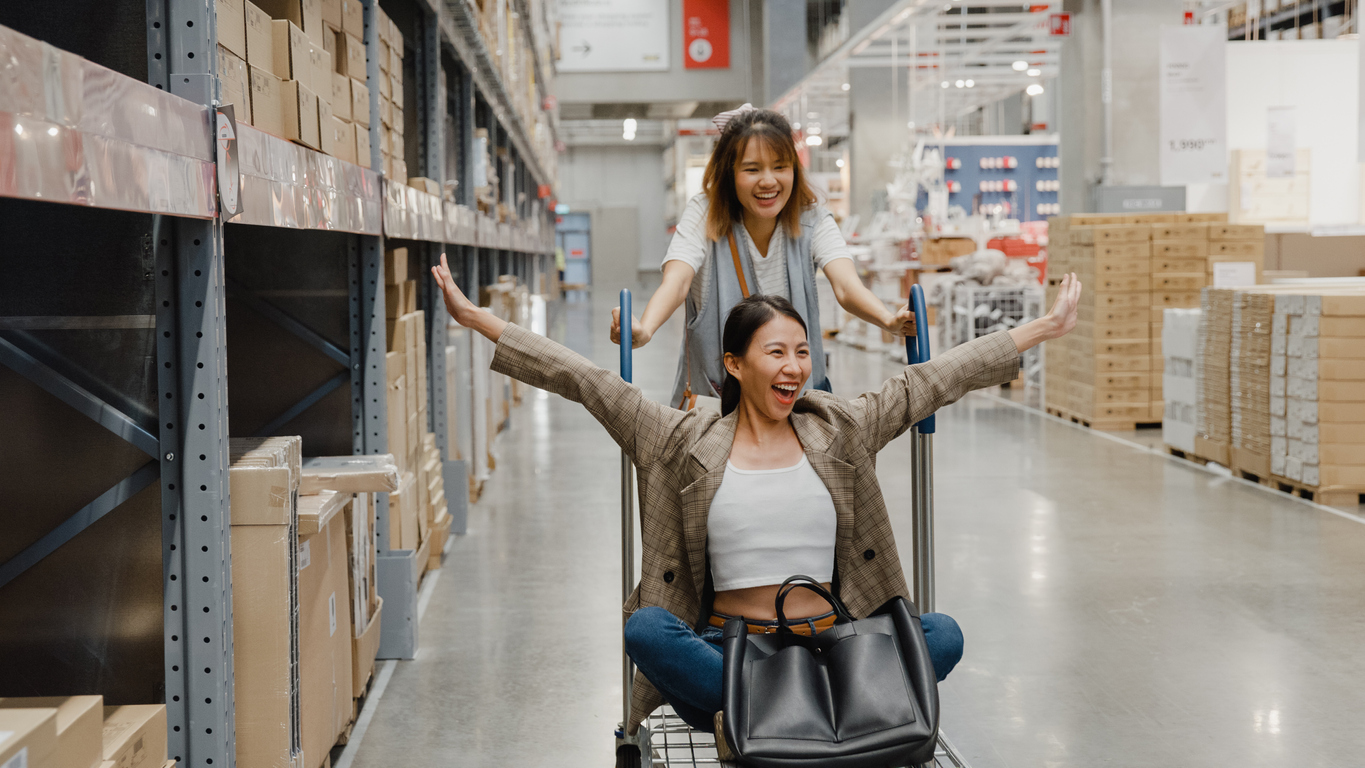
x,y
768,524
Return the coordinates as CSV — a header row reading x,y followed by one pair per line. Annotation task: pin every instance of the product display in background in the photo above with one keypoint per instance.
x,y
1134,268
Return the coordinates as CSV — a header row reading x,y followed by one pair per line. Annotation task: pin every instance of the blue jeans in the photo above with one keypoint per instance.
x,y
686,666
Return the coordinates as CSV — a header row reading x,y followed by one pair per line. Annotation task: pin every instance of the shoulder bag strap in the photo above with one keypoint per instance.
x,y
739,268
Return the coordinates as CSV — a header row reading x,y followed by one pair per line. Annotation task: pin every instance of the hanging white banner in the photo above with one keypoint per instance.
x,y
1279,143
1193,72
613,36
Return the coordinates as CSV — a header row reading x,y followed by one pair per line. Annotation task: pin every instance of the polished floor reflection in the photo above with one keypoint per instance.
x,y
1120,608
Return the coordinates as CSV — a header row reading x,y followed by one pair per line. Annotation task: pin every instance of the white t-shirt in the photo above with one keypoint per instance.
x,y
765,525
690,245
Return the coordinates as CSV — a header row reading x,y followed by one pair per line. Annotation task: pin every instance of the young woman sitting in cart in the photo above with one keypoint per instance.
x,y
783,483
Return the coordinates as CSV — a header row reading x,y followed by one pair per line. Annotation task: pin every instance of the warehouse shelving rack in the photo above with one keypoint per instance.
x,y
122,311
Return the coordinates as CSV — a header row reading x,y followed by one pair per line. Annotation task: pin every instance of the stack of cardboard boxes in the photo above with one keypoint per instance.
x,y
1317,392
1249,380
80,732
343,36
1180,383
1213,411
277,61
264,483
1133,268
418,517
391,117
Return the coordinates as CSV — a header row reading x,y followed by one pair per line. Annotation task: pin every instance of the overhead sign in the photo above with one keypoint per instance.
x,y
613,36
1193,72
706,34
1059,25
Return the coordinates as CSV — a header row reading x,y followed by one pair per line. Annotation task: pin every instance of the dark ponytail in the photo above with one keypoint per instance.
x,y
741,324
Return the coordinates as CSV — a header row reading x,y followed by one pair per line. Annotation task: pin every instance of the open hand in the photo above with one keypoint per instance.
x,y
902,323
1065,309
457,304
638,335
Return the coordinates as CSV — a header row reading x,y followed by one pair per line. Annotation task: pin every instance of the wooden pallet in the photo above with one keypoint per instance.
x,y
1104,425
356,706
1332,497
1181,453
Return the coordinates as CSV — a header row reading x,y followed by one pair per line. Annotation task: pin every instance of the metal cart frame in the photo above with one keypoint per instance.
x,y
664,739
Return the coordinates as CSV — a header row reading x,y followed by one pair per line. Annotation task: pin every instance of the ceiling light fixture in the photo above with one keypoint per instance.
x,y
814,141
1020,66
845,86
944,84
971,83
839,163
959,83
1034,90
628,129
1035,72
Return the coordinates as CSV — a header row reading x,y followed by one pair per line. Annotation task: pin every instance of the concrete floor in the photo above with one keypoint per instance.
x,y
1120,608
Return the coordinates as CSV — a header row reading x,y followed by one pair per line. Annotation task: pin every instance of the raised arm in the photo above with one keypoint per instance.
x,y
922,389
639,425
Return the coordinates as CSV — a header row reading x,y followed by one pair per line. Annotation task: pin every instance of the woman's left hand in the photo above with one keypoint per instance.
x,y
1066,309
902,323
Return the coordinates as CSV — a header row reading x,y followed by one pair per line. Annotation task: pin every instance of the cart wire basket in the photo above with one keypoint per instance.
x,y
664,740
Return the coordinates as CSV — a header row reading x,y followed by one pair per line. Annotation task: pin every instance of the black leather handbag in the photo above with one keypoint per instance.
x,y
861,694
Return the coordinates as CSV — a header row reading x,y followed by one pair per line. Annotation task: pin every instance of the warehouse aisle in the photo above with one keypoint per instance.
x,y
1120,608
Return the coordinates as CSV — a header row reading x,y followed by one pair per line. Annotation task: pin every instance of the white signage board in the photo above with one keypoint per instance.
x,y
1279,143
613,36
1193,72
1233,274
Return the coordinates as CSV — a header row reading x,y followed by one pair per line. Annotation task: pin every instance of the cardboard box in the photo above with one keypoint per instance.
x,y
331,13
341,98
326,134
361,553
260,38
397,406
360,110
263,575
429,186
134,735
384,88
343,140
352,17
28,737
267,101
396,60
304,14
321,76
398,128
364,649
231,16
350,56
80,725
1184,249
396,90
300,106
324,639
403,533
235,77
293,53
362,145
937,251
396,266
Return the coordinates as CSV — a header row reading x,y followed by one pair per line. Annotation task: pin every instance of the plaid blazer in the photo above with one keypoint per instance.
x,y
680,461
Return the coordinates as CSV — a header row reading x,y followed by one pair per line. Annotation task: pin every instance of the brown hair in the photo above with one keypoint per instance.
x,y
719,181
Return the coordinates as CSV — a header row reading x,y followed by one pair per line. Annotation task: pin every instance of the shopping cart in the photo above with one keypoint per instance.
x,y
664,740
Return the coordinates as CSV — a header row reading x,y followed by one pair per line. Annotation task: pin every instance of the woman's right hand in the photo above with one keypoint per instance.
x,y
464,311
638,335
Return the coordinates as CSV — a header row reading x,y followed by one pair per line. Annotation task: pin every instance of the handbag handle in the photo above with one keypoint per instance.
x,y
810,583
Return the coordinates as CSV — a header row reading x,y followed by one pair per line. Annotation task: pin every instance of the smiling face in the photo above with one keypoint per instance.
x,y
763,179
773,369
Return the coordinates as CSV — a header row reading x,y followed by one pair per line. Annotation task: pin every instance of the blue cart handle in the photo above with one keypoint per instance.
x,y
626,339
917,346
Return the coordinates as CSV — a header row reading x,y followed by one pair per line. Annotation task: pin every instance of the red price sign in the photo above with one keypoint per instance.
x,y
1059,25
706,34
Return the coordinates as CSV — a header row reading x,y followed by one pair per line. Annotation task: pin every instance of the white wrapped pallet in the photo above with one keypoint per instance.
x,y
1180,388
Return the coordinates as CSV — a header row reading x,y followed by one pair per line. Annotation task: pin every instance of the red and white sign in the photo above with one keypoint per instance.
x,y
706,34
1059,25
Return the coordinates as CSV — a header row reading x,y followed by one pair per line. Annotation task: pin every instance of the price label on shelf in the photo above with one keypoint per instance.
x,y
1193,71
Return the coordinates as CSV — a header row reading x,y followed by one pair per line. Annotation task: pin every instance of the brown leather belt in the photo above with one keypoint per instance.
x,y
809,626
